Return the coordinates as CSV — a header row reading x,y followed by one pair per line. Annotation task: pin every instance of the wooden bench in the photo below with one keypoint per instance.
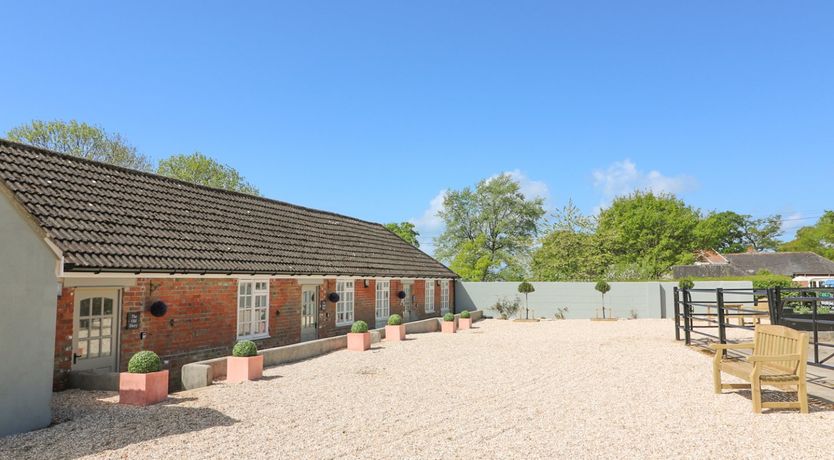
x,y
778,360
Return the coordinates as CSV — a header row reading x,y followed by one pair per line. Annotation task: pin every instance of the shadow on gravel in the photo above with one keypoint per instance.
x,y
95,426
814,404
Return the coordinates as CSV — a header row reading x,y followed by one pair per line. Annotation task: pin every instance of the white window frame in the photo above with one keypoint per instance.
x,y
429,293
383,299
444,296
344,307
252,308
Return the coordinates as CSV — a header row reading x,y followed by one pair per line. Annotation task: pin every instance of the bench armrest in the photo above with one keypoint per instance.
x,y
732,346
754,359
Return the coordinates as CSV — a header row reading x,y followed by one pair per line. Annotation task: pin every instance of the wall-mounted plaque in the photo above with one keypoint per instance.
x,y
133,318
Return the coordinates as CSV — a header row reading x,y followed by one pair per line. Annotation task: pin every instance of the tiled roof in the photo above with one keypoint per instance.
x,y
111,219
782,263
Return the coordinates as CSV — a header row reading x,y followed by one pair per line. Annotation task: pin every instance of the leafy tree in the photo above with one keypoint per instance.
x,y
526,288
81,140
571,249
686,283
602,287
202,170
763,234
722,231
489,229
818,238
406,231
649,231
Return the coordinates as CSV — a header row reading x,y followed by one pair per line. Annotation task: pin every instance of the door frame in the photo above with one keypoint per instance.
x,y
316,288
82,292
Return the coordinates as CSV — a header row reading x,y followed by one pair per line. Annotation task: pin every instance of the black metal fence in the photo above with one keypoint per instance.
x,y
707,314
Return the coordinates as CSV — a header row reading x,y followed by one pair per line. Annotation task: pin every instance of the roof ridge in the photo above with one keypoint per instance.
x,y
178,181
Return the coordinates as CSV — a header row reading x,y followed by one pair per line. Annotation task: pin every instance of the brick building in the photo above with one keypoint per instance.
x,y
151,263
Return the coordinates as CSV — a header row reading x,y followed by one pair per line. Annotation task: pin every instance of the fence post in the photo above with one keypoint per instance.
x,y
677,313
722,334
687,315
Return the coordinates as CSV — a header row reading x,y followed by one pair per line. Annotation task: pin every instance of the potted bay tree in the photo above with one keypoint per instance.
x,y
465,321
395,329
245,363
359,339
447,326
145,382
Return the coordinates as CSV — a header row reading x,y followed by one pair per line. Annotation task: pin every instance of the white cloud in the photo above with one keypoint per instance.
x,y
528,187
623,177
430,225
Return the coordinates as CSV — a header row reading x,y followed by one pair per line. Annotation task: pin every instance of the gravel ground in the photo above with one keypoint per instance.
x,y
569,389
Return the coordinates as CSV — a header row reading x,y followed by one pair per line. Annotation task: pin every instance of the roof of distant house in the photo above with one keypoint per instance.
x,y
750,263
106,218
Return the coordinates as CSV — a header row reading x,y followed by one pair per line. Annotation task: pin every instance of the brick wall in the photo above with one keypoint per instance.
x,y
201,321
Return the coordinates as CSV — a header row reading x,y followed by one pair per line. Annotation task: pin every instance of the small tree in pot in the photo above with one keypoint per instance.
x,y
465,321
526,288
448,324
602,287
395,330
359,339
245,363
145,382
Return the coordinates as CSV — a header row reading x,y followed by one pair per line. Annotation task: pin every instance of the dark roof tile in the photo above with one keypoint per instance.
x,y
113,219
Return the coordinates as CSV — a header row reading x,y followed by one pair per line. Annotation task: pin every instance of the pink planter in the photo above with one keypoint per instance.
x,y
395,333
358,341
143,389
241,369
465,323
448,327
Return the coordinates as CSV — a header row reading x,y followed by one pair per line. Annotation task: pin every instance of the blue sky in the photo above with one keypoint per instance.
x,y
372,108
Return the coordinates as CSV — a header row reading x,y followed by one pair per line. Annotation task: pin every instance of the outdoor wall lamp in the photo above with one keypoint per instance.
x,y
366,283
333,297
401,294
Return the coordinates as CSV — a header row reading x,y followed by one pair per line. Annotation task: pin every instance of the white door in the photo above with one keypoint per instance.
x,y
407,302
95,330
309,312
383,302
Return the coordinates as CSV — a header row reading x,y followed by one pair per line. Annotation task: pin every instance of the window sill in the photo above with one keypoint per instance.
x,y
344,324
255,337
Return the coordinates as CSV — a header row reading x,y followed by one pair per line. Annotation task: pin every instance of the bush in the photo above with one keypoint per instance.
x,y
507,307
560,313
244,349
686,283
359,327
395,320
464,314
448,317
144,362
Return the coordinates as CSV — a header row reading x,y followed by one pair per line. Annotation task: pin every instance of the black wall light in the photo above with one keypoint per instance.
x,y
158,308
401,294
333,297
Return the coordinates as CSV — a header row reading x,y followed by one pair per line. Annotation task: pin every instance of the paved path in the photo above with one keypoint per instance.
x,y
563,389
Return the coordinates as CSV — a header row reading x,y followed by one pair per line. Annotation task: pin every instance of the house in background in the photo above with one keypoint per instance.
x,y
151,263
806,268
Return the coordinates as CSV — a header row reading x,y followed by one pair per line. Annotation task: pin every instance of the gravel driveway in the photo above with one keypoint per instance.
x,y
570,389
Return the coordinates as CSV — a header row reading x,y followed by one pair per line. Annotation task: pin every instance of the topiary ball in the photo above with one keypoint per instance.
x,y
464,314
144,362
359,327
395,320
245,349
448,317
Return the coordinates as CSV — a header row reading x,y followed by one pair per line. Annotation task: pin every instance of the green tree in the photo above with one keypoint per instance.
x,y
571,249
491,227
763,234
81,140
526,288
818,238
406,231
602,287
722,231
202,170
648,233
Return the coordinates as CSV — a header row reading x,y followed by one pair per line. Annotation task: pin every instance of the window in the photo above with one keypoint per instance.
x,y
383,299
429,296
344,307
252,309
444,296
